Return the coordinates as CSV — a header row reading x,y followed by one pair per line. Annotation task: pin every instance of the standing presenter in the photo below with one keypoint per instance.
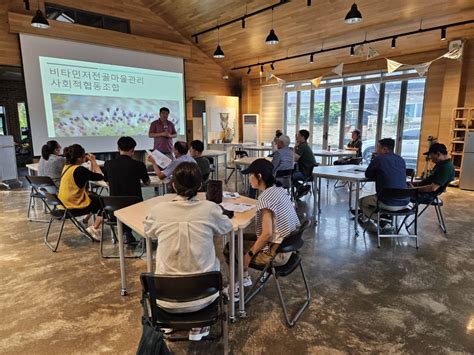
x,y
163,132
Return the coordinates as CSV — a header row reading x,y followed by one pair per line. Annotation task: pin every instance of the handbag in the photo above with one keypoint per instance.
x,y
214,191
152,341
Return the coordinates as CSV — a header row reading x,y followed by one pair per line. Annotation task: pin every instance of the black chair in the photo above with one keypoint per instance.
x,y
433,199
307,181
37,183
110,204
212,167
186,288
238,154
284,177
62,213
290,244
411,210
410,173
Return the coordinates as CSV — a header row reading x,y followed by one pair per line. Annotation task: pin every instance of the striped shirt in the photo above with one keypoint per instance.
x,y
285,220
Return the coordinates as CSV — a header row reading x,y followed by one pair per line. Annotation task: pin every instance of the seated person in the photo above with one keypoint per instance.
x,y
124,175
441,175
185,228
180,150
305,158
73,187
51,163
275,219
356,145
388,170
195,151
283,157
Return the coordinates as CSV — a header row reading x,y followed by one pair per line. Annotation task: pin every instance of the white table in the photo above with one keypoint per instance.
x,y
155,181
133,216
34,167
331,154
258,149
216,154
245,162
351,173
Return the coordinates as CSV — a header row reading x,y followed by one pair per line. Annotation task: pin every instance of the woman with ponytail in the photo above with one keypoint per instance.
x,y
51,163
73,187
185,228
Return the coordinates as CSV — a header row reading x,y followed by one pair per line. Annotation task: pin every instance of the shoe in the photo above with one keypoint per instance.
x,y
385,224
96,234
167,331
128,238
302,190
225,291
247,281
196,334
353,211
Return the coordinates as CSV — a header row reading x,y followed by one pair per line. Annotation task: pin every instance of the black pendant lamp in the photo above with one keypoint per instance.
x,y
218,53
272,38
39,20
354,15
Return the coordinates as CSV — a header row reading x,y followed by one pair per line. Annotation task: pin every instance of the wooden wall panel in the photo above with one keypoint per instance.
x,y
272,108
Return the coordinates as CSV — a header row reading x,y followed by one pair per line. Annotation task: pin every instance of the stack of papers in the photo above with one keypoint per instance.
x,y
237,207
160,159
227,194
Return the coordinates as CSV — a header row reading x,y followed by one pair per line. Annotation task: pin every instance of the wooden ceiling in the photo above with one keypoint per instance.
x,y
303,29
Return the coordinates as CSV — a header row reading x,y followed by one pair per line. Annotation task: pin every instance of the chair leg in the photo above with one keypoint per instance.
x,y
300,311
48,244
29,206
256,287
114,236
441,223
378,229
230,175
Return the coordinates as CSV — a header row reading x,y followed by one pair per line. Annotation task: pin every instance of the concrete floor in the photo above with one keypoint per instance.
x,y
395,299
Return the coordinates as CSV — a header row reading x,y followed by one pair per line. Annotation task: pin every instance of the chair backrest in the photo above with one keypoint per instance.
x,y
398,194
294,241
411,174
51,198
42,182
180,288
356,161
211,160
110,204
284,173
239,154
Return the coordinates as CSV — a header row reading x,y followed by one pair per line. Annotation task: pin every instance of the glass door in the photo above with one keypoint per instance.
x,y
291,115
333,117
391,108
352,113
318,118
369,120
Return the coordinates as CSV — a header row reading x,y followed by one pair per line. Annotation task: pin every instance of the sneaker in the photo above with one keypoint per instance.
x,y
247,281
167,331
236,293
302,191
196,334
96,234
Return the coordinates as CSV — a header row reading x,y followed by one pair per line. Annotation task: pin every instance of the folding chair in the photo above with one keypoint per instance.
x,y
401,195
212,167
186,288
238,154
62,214
110,204
410,173
37,183
433,200
290,244
284,178
308,180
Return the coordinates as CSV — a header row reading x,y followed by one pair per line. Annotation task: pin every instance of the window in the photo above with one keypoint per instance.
x,y
85,18
383,105
3,128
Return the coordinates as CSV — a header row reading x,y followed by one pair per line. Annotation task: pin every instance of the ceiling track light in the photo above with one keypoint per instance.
x,y
311,58
27,4
218,53
308,3
272,66
443,33
249,70
272,38
196,39
394,42
243,22
39,20
354,15
261,69
352,50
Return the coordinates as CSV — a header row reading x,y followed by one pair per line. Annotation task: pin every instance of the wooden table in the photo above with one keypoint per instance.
x,y
351,173
216,154
134,216
155,181
331,154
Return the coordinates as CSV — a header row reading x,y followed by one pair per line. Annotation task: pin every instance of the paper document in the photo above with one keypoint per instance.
x,y
160,159
354,170
237,207
227,194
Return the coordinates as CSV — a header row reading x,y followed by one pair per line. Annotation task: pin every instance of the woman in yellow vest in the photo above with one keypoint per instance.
x,y
73,187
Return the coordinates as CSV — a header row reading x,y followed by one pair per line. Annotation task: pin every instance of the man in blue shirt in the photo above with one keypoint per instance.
x,y
388,170
180,150
283,158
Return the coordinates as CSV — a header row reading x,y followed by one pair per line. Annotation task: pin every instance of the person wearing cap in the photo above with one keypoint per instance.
x,y
388,170
441,175
275,219
356,145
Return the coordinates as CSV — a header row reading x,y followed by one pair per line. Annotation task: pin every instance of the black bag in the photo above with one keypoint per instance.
x,y
152,341
214,191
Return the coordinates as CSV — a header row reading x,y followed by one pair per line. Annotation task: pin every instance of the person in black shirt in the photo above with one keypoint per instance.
x,y
356,145
124,175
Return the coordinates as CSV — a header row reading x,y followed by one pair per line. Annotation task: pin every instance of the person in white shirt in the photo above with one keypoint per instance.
x,y
51,163
185,228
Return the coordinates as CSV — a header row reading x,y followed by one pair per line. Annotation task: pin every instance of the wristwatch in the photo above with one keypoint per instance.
x,y
250,253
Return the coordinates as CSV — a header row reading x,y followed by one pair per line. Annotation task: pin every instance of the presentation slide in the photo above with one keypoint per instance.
x,y
92,95
93,99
